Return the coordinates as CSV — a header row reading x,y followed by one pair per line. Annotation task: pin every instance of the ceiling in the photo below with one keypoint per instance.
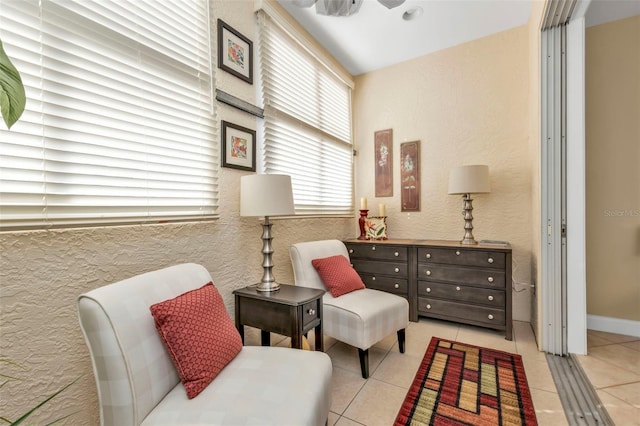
x,y
377,37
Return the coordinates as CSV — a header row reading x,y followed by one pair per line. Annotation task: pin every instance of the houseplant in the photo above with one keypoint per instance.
x,y
12,96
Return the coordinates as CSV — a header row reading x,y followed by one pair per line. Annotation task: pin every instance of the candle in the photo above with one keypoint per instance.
x,y
363,203
383,209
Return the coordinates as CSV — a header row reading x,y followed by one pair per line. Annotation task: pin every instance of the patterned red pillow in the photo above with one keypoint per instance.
x,y
338,275
198,334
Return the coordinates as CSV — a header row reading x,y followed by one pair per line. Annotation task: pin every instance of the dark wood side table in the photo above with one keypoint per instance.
x,y
291,311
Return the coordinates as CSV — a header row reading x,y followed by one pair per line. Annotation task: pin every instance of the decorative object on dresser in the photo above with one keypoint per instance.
x,y
441,279
362,224
383,141
266,195
466,180
359,318
376,228
410,176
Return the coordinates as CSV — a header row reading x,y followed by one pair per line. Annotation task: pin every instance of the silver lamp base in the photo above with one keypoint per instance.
x,y
268,282
468,219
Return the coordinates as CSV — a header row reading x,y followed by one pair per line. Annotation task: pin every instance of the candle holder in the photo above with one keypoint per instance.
x,y
363,215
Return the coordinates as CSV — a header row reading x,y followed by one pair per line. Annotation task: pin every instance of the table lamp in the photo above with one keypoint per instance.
x,y
266,195
466,180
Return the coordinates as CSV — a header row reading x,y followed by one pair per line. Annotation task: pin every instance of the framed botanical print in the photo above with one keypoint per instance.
x,y
238,147
383,140
410,176
235,52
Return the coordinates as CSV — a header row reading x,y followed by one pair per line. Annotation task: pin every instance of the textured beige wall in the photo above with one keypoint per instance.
x,y
42,273
467,105
613,169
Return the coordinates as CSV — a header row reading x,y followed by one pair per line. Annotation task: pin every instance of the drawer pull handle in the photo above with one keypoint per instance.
x,y
428,306
458,288
428,255
350,250
490,279
428,289
490,316
396,285
490,297
396,254
490,260
311,311
428,273
373,278
373,248
397,269
457,252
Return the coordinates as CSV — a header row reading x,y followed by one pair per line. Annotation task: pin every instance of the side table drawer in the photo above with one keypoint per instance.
x,y
377,251
454,274
443,308
461,293
486,259
388,284
310,313
394,269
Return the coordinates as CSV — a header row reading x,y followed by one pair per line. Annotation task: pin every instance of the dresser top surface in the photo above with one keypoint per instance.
x,y
434,243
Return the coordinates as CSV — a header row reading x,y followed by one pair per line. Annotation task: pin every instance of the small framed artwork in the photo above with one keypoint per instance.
x,y
235,52
383,140
238,147
410,176
376,228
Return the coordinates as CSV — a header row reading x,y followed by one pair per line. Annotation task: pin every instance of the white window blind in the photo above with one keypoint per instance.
x,y
307,125
118,125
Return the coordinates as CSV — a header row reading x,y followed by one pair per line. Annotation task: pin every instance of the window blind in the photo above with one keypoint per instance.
x,y
118,125
307,125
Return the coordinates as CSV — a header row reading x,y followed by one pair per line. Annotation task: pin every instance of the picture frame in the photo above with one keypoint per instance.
x,y
238,147
235,52
376,228
383,142
410,176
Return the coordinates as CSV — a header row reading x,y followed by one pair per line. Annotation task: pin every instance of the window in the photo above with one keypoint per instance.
x,y
307,125
119,124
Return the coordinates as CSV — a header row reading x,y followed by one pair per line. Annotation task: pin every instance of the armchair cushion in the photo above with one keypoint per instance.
x,y
338,275
198,335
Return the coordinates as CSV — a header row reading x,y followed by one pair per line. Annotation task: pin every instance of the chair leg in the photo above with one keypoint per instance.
x,y
401,337
364,362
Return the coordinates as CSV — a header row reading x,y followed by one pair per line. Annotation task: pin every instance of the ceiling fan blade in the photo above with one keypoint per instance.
x,y
390,4
338,7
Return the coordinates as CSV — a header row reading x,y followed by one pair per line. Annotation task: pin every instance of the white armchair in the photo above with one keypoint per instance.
x,y
360,318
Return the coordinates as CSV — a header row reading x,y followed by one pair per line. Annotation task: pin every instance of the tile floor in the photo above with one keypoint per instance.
x,y
613,368
376,401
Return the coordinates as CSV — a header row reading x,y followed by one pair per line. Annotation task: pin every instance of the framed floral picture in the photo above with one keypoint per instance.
x,y
383,140
238,147
376,228
235,52
410,176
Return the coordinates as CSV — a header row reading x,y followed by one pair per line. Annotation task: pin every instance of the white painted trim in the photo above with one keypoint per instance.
x,y
613,325
576,190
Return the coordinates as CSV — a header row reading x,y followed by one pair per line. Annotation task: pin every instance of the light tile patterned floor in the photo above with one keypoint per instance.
x,y
613,368
376,401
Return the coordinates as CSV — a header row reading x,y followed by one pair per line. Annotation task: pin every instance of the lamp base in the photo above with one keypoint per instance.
x,y
467,205
268,287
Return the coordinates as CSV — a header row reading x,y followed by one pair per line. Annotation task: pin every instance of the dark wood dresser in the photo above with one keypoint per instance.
x,y
441,279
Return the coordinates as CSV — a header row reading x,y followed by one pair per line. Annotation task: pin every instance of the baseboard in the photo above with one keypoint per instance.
x,y
613,325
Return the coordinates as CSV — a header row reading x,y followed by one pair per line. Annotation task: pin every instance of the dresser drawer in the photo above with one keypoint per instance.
x,y
458,275
388,284
468,257
462,293
377,251
461,311
395,269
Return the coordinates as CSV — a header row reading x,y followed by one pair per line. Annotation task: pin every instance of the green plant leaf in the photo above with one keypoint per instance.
x,y
12,95
49,398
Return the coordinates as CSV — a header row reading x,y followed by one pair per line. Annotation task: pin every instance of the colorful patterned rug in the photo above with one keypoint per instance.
x,y
460,384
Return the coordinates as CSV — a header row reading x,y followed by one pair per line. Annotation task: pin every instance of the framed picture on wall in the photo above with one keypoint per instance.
x,y
383,140
235,52
238,147
410,176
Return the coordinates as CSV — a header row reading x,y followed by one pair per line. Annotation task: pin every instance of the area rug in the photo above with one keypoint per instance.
x,y
460,384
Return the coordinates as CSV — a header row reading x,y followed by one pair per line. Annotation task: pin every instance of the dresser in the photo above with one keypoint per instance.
x,y
441,279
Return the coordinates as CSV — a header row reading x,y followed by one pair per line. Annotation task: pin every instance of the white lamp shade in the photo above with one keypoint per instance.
x,y
266,195
469,180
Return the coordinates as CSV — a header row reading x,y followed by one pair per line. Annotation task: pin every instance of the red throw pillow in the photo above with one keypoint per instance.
x,y
198,334
338,275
